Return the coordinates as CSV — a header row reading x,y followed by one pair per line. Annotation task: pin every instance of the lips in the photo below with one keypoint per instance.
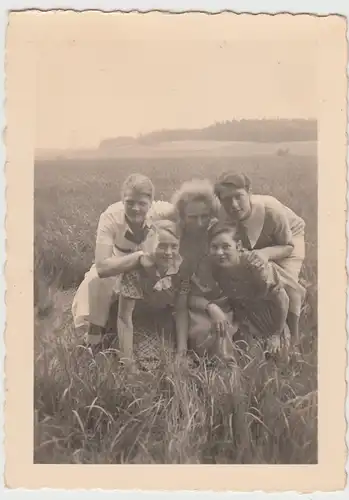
x,y
221,260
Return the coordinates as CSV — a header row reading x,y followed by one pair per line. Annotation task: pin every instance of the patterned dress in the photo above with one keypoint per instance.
x,y
256,295
159,294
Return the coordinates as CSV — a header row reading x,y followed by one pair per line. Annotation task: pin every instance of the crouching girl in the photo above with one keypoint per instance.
x,y
157,282
255,303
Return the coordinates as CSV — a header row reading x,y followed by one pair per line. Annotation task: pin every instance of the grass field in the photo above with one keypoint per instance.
x,y
91,411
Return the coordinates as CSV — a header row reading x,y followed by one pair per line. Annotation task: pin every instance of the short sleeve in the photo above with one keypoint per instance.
x,y
105,230
130,286
281,228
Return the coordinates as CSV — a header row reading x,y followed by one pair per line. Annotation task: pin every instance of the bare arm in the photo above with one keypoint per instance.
x,y
277,252
107,264
197,302
113,265
125,326
182,323
217,315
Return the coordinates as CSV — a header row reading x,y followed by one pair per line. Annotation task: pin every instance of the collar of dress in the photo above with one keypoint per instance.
x,y
253,225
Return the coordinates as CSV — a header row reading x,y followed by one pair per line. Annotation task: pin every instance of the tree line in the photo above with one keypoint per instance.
x,y
230,130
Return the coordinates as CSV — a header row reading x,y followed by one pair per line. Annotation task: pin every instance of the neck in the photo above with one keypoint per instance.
x,y
134,225
162,268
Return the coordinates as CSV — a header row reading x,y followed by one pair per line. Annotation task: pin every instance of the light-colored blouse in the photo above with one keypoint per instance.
x,y
271,223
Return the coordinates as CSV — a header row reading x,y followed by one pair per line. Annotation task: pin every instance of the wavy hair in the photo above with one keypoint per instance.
x,y
196,190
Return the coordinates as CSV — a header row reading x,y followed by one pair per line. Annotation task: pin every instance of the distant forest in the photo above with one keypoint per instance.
x,y
230,130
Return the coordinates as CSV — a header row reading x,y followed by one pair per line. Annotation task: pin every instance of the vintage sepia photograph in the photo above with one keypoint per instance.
x,y
175,256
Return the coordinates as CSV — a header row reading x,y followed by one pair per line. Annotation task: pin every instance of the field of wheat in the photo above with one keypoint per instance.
x,y
89,410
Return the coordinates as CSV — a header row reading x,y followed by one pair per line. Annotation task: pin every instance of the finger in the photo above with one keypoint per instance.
x,y
255,260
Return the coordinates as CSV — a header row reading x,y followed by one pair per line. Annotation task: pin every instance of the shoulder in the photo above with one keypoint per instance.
x,y
115,212
271,205
112,219
279,212
274,210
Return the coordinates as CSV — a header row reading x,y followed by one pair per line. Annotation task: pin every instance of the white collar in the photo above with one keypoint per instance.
x,y
173,269
255,222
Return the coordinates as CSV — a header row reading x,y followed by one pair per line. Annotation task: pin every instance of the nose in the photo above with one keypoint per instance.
x,y
135,208
234,204
200,222
219,251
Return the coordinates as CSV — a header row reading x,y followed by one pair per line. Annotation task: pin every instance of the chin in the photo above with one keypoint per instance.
x,y
137,219
237,216
223,264
165,262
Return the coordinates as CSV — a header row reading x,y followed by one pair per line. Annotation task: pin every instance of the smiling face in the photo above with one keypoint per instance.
x,y
136,205
167,250
196,216
223,249
236,202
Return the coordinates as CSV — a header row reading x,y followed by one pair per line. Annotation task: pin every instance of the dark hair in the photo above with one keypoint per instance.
x,y
232,180
222,228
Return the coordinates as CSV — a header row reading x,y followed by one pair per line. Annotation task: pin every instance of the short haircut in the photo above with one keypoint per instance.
x,y
140,184
196,190
232,180
222,228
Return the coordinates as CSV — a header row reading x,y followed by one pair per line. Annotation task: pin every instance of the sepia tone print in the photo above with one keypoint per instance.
x,y
240,385
176,261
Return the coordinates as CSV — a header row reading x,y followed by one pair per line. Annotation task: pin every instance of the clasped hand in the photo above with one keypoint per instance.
x,y
220,323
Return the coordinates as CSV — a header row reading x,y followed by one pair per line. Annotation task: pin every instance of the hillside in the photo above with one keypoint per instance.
x,y
230,138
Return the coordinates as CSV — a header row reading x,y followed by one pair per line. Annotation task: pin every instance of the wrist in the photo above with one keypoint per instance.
x,y
211,308
140,258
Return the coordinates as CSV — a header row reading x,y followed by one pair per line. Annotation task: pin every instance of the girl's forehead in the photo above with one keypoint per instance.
x,y
231,191
196,207
134,195
223,237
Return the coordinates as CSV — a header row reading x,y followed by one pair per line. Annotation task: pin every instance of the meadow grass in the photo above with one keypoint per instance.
x,y
90,410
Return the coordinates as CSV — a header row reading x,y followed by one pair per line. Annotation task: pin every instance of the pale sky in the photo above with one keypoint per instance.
x,y
103,79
